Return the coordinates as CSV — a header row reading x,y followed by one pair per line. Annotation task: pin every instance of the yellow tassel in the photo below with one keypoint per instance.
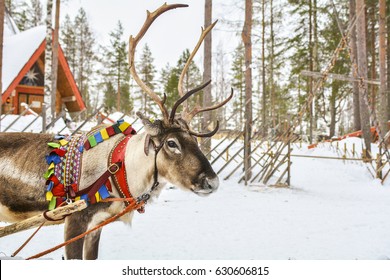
x,y
49,195
63,142
104,134
123,126
52,165
97,196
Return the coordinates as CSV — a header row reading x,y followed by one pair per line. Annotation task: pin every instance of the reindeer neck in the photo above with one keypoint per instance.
x,y
95,161
139,167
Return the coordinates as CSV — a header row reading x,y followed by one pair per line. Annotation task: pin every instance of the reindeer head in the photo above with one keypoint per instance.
x,y
179,158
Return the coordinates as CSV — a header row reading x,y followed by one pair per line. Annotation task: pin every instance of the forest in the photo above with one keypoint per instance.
x,y
326,58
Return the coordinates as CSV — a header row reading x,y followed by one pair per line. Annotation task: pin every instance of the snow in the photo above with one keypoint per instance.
x,y
16,52
334,210
30,123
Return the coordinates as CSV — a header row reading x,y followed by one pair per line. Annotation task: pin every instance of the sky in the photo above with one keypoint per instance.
x,y
168,36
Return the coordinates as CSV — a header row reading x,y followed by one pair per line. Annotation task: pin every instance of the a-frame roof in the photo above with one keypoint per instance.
x,y
21,51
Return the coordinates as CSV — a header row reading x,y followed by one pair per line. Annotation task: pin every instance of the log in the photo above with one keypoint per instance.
x,y
37,220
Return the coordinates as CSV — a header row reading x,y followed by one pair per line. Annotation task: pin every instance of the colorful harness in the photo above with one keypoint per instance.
x,y
63,174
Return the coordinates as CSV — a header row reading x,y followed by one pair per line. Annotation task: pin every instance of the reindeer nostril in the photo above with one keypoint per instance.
x,y
207,185
210,183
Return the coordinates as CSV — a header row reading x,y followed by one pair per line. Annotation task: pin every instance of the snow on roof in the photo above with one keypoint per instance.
x,y
17,50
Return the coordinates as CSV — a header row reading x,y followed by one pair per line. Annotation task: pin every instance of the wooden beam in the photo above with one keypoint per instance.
x,y
35,221
337,77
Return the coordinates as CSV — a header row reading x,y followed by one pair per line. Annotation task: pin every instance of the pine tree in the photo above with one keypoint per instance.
x,y
303,56
191,80
78,44
238,83
333,99
84,55
147,73
36,13
27,14
118,73
68,42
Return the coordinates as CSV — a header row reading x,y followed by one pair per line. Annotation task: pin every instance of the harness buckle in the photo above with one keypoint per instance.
x,y
145,197
116,166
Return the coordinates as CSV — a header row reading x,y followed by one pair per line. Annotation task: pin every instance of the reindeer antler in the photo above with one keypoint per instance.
x,y
186,115
133,41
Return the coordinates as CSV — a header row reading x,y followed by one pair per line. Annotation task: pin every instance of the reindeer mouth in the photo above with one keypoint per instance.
x,y
202,192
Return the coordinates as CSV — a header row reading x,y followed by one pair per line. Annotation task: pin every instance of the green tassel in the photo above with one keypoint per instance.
x,y
52,203
92,141
54,145
48,173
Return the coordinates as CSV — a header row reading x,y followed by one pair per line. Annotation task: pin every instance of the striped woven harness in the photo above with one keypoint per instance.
x,y
63,174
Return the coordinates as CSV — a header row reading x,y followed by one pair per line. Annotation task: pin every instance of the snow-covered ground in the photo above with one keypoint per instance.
x,y
333,210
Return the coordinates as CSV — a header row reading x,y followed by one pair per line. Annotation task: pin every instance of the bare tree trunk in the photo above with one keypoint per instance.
x,y
355,89
311,68
362,68
246,38
388,59
54,69
333,109
382,69
118,93
207,60
47,112
373,56
2,11
271,74
264,96
316,105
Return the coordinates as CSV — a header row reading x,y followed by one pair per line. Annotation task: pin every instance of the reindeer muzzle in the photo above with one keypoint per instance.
x,y
207,185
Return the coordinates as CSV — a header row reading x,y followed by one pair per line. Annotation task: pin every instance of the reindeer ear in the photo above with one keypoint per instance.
x,y
147,144
151,128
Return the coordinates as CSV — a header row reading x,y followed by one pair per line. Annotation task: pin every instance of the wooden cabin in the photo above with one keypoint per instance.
x,y
23,75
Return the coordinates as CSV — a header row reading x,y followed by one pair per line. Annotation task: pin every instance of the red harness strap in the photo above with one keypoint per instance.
x,y
117,172
120,178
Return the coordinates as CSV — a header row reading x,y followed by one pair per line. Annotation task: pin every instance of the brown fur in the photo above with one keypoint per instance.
x,y
22,165
22,187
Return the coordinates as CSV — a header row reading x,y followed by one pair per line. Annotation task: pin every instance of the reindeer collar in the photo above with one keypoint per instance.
x,y
117,159
67,155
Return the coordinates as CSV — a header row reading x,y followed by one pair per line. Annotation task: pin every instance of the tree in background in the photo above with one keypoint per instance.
x,y
247,40
355,85
304,56
171,76
117,72
68,42
85,55
238,83
207,62
147,73
362,69
388,57
333,99
26,14
2,14
222,86
384,86
78,42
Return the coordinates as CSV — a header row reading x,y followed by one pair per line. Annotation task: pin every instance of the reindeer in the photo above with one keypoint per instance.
x,y
167,152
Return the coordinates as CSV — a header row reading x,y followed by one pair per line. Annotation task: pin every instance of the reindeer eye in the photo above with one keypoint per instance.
x,y
171,144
